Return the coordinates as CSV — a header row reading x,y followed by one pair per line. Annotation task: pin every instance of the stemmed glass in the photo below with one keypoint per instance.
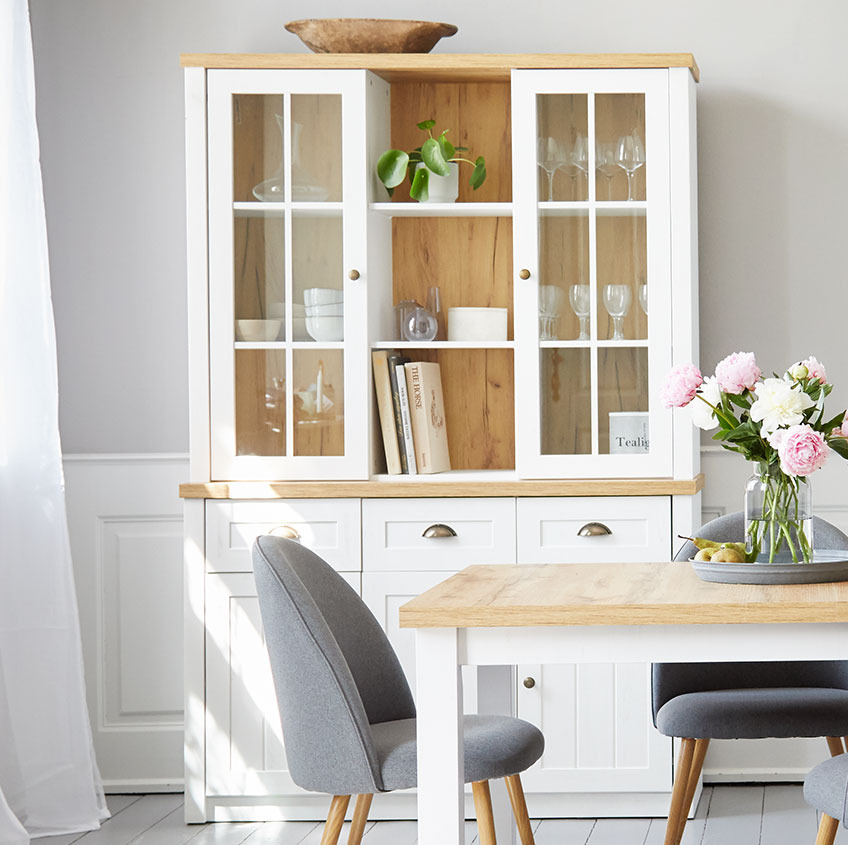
x,y
630,156
550,300
578,298
643,299
579,160
550,156
606,163
617,303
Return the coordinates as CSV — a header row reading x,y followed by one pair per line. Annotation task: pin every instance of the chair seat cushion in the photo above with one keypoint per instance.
x,y
826,786
495,746
780,712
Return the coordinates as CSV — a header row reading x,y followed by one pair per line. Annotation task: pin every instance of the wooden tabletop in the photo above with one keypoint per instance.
x,y
613,594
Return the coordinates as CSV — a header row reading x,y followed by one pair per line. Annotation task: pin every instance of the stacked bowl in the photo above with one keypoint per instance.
x,y
324,314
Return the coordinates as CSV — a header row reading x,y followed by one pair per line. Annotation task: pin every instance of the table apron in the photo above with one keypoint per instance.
x,y
653,643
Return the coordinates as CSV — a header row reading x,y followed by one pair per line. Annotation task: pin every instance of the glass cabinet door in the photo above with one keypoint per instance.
x,y
287,258
592,258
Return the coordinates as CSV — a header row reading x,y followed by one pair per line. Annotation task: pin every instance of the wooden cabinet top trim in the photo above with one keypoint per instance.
x,y
444,66
396,489
613,594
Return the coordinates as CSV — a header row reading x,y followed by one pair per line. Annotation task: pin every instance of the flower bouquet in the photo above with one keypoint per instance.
x,y
778,423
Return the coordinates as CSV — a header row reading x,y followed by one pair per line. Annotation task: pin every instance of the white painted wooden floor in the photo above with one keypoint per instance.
x,y
727,815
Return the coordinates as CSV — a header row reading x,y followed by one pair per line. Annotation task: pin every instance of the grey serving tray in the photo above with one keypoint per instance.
x,y
826,567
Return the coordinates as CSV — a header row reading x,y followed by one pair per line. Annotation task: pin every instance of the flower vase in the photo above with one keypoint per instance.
x,y
778,517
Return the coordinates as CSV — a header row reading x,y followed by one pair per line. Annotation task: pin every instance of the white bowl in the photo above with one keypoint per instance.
x,y
257,331
299,328
322,296
333,310
477,323
325,329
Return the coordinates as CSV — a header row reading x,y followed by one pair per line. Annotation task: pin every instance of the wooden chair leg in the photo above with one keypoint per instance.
x,y
701,746
360,817
483,806
676,815
335,819
519,809
827,830
834,744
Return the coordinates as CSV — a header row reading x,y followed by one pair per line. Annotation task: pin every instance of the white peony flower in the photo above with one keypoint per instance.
x,y
702,414
779,403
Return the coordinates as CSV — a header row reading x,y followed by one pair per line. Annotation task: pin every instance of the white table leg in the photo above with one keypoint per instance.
x,y
440,748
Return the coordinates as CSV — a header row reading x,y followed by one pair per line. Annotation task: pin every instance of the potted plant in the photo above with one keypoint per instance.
x,y
433,168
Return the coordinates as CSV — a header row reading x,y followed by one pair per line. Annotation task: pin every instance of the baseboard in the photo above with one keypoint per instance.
x,y
141,786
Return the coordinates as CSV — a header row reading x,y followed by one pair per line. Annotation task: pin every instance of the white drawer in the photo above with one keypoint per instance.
x,y
549,529
393,533
330,527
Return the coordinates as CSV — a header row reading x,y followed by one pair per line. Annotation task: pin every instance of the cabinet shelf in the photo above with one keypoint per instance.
x,y
281,344
444,344
443,209
586,344
602,209
277,209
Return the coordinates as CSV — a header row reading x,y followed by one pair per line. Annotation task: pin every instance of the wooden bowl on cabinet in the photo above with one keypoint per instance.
x,y
369,35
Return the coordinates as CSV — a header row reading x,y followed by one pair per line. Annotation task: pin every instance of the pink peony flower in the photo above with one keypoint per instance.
x,y
802,449
679,387
815,369
738,372
844,430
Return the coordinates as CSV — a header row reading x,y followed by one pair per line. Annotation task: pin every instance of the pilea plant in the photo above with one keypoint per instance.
x,y
435,154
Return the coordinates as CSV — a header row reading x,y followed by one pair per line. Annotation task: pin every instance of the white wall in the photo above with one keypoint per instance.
x,y
773,130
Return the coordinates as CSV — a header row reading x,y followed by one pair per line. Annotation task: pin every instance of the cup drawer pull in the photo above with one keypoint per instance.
x,y
594,529
285,531
438,530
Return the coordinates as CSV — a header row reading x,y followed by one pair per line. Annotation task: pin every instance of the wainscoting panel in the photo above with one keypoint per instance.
x,y
125,522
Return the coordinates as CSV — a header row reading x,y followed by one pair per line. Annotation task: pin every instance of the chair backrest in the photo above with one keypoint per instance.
x,y
672,679
334,670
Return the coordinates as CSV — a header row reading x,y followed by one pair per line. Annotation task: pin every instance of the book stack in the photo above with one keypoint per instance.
x,y
412,414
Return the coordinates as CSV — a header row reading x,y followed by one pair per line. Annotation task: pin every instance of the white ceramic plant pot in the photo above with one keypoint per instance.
x,y
443,188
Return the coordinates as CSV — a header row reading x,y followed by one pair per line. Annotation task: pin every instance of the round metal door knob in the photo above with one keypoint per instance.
x,y
524,274
594,529
529,683
353,275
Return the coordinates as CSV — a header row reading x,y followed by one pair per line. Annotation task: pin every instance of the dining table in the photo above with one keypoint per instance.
x,y
623,612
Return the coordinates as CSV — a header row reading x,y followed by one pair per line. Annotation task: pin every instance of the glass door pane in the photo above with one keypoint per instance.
x,y
318,402
316,148
562,152
566,401
260,402
620,147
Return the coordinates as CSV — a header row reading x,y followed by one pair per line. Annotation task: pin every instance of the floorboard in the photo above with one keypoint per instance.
x,y
564,831
133,820
223,833
787,818
281,833
619,831
735,816
694,832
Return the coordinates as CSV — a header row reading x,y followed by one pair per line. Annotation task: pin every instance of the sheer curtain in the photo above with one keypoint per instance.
x,y
49,781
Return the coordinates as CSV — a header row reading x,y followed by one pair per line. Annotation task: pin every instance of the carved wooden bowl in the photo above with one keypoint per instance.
x,y
369,35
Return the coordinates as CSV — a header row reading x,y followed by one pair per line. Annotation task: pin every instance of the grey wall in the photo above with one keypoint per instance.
x,y
773,136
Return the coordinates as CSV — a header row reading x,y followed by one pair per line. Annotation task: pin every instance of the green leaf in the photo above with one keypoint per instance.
x,y
840,446
478,175
461,149
740,399
831,424
391,168
420,185
447,148
431,153
427,124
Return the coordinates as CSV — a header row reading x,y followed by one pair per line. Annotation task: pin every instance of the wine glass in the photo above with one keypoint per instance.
x,y
617,303
606,163
643,299
630,156
578,298
550,301
550,156
579,160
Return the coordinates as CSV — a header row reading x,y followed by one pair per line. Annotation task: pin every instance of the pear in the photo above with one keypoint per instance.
x,y
728,555
738,547
701,542
705,554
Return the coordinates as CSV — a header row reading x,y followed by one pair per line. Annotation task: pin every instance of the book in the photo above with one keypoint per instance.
x,y
385,408
395,358
406,422
427,410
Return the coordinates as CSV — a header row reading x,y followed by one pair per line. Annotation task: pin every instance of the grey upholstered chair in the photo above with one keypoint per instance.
x,y
702,701
346,709
826,788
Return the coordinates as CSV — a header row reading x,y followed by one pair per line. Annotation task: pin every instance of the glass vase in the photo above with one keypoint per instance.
x,y
778,517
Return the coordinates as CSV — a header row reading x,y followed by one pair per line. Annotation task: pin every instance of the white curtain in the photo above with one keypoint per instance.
x,y
49,781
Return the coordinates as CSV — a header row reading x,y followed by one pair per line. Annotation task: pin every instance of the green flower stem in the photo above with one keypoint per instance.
x,y
781,511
